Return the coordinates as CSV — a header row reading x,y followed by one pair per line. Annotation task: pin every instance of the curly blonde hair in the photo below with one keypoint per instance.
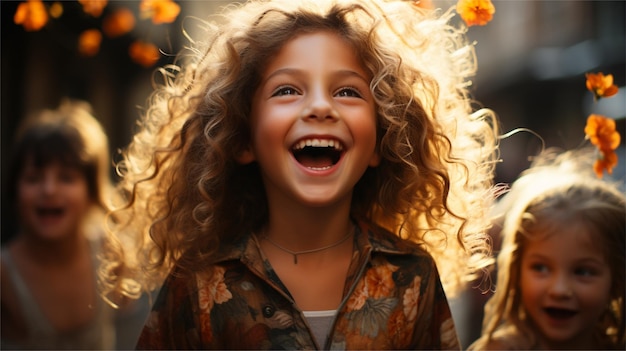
x,y
187,196
559,188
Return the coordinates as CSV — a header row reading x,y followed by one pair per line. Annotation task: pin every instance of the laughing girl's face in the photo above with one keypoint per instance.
x,y
313,122
53,200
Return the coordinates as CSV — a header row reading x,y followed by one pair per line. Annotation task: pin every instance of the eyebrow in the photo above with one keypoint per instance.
x,y
581,260
299,72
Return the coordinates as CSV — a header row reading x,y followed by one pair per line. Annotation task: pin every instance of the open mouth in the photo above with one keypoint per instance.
x,y
559,313
50,212
317,154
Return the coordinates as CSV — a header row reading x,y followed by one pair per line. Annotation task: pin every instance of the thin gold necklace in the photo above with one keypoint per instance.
x,y
297,253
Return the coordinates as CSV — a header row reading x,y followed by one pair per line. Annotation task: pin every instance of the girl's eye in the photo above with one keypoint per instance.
x,y
32,175
285,90
539,267
69,177
32,178
348,92
584,271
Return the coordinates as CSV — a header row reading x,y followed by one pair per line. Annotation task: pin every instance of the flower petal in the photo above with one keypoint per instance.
x,y
93,7
606,162
601,132
145,54
32,15
475,12
601,85
161,11
118,23
89,42
56,9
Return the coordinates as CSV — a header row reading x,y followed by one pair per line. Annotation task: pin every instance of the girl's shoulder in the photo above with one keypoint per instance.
x,y
12,320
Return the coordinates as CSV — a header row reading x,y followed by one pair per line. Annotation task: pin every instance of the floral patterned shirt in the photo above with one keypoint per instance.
x,y
393,299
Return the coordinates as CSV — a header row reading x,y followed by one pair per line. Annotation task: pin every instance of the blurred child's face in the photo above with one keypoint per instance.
x,y
565,285
313,122
53,200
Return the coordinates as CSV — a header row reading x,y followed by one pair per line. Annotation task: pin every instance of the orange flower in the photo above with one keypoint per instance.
x,y
56,9
601,132
601,85
89,42
475,12
31,15
93,7
145,54
118,23
606,161
161,11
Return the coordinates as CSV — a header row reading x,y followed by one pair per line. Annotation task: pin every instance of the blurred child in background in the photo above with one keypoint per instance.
x,y
59,187
560,275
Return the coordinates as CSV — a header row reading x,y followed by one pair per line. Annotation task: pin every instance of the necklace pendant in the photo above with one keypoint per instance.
x,y
296,253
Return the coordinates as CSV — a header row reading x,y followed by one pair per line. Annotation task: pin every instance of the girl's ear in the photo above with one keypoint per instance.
x,y
245,156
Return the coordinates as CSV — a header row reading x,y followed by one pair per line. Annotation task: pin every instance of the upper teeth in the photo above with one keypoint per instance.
x,y
318,143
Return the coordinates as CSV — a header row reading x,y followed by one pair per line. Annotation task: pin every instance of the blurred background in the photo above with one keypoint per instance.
x,y
532,60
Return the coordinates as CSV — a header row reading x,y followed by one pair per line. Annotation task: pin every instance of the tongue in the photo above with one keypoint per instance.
x,y
315,161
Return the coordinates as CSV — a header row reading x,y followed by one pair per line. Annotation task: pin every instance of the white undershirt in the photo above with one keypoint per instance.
x,y
320,322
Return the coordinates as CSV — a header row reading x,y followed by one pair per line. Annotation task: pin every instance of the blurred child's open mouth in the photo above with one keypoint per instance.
x,y
317,154
559,313
50,213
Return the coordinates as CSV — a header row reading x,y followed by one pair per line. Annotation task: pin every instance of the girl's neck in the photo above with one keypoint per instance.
x,y
310,228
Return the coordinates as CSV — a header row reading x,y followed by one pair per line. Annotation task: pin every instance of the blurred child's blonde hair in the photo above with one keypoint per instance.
x,y
188,196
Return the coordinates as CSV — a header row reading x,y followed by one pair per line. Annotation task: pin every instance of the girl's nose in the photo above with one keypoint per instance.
x,y
561,287
49,185
320,107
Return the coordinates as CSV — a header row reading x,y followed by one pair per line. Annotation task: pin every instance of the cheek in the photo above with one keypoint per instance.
x,y
267,139
529,287
78,196
368,132
598,297
364,129
26,195
268,124
269,132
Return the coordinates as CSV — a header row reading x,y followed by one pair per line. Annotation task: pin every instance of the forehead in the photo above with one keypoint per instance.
x,y
33,163
317,51
569,240
46,144
40,156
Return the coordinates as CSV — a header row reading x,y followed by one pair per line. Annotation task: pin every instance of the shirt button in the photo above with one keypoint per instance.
x,y
268,311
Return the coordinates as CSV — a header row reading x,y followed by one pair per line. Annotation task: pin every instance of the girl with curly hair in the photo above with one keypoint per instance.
x,y
310,175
